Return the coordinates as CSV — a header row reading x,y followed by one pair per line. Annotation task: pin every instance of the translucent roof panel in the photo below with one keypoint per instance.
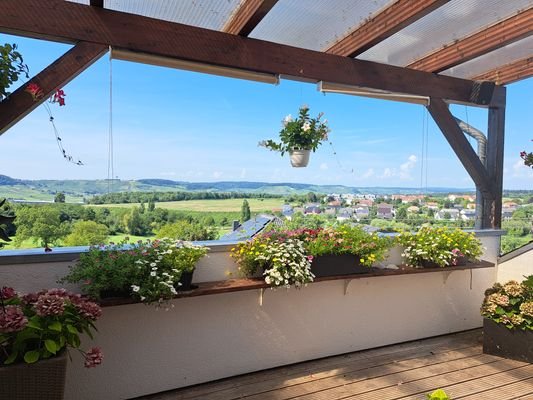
x,y
210,14
497,58
315,24
453,21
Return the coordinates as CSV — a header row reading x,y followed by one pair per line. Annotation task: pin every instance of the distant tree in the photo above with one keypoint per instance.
x,y
142,208
224,221
431,212
59,197
185,230
135,223
39,223
85,233
312,197
446,215
245,211
151,205
401,214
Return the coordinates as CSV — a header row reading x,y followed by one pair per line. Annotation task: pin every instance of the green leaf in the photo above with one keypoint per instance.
x,y
31,356
500,311
72,329
12,357
32,323
56,326
51,346
514,300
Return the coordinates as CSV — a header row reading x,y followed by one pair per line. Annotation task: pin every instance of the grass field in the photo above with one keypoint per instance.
x,y
225,205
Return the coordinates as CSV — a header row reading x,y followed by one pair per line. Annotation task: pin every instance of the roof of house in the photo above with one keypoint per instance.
x,y
250,228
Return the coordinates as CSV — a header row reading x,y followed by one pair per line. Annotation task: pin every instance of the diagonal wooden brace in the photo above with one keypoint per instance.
x,y
462,148
20,103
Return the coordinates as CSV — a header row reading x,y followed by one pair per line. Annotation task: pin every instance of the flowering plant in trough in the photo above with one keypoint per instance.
x,y
43,325
441,246
149,271
302,133
510,304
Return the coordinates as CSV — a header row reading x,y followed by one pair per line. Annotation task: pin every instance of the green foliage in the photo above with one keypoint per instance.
x,y
438,394
185,230
40,223
245,211
44,324
146,270
510,304
443,246
11,68
510,243
86,233
253,255
5,218
302,133
59,197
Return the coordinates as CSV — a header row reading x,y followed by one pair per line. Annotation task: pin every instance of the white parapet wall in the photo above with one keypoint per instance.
x,y
516,264
215,336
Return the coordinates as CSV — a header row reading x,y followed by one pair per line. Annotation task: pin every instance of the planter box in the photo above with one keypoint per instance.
x,y
44,380
500,341
336,265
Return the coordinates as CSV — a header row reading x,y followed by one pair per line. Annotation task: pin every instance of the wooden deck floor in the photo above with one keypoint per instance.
x,y
454,363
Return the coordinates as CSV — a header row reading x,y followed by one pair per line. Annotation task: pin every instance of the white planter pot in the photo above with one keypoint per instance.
x,y
300,158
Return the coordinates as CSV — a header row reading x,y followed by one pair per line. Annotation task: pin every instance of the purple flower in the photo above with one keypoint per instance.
x,y
88,309
7,293
12,319
93,357
49,304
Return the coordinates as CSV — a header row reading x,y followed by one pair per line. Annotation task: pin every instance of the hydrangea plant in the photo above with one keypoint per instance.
x,y
510,304
42,325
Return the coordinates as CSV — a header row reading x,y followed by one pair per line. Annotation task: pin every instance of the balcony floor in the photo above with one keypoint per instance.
x,y
404,371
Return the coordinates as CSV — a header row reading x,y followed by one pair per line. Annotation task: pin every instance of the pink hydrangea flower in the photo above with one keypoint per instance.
x,y
12,319
93,357
49,304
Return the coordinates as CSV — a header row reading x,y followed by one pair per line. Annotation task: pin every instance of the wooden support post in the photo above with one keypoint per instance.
x,y
460,145
492,206
60,72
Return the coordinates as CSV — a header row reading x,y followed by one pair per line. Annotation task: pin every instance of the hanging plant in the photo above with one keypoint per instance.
x,y
11,68
527,157
5,218
299,137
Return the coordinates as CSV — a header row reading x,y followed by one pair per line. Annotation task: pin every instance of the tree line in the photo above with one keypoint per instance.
x,y
147,197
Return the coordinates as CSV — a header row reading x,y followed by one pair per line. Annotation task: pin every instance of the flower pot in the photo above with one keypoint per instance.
x,y
460,261
299,158
114,293
44,380
337,265
186,282
508,343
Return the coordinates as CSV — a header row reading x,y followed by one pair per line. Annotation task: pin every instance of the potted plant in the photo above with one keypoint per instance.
x,y
299,137
439,247
150,271
283,262
36,330
337,251
508,320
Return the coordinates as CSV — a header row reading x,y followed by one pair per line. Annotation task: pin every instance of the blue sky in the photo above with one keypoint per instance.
x,y
181,125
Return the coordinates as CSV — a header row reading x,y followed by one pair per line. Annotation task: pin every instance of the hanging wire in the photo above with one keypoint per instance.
x,y
110,152
59,141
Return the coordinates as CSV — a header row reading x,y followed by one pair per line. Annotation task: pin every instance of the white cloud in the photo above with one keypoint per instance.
x,y
324,166
217,174
368,173
243,173
407,167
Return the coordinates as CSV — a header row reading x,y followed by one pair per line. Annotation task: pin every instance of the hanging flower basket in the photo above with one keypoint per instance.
x,y
299,158
299,137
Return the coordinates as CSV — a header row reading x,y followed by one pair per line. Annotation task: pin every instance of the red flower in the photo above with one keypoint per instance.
x,y
35,91
59,97
7,293
93,357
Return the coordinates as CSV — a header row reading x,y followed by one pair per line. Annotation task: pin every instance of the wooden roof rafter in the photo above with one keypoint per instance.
x,y
489,39
512,72
160,38
247,16
387,22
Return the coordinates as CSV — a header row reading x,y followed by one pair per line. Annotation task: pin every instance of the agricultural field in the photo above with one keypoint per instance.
x,y
224,205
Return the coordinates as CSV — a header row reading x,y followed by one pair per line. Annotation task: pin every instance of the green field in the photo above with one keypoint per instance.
x,y
225,205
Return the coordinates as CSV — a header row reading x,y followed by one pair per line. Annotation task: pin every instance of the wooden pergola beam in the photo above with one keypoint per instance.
x,y
60,72
166,39
494,37
248,16
389,21
462,148
509,73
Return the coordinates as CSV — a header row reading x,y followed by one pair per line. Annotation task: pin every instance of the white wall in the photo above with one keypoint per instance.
x,y
211,337
516,268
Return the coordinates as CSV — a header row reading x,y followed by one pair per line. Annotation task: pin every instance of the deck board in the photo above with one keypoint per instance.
x,y
404,371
